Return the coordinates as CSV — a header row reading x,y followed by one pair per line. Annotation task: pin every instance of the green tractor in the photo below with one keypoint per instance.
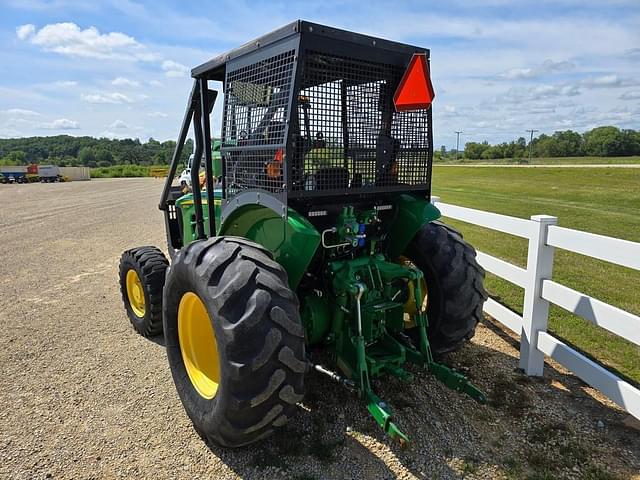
x,y
313,229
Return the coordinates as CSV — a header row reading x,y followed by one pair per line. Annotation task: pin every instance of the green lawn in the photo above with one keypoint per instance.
x,y
604,201
552,161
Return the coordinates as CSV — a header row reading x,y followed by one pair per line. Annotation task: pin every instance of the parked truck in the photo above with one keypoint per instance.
x,y
14,174
31,173
49,173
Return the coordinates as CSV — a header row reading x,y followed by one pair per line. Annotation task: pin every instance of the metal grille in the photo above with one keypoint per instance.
x,y
349,138
254,124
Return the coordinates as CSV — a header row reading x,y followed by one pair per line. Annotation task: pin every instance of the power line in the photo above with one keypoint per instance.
x,y
457,143
531,141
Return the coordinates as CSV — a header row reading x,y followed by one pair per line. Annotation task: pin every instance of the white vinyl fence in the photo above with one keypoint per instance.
x,y
544,236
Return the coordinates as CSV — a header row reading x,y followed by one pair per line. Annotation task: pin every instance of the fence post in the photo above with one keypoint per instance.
x,y
536,309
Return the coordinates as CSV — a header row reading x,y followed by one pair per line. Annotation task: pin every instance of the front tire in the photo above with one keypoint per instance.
x,y
454,282
142,273
245,380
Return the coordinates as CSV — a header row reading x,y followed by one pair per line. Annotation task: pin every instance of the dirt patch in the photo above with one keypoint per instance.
x,y
82,396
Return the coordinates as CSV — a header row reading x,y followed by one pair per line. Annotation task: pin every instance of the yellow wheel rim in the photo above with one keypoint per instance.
x,y
410,309
135,293
198,345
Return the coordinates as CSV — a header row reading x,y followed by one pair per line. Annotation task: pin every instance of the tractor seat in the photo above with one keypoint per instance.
x,y
332,178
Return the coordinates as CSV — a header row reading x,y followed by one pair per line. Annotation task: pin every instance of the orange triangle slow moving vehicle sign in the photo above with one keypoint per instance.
x,y
415,90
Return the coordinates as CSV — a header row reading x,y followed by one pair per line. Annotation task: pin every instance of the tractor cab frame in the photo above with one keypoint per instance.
x,y
308,120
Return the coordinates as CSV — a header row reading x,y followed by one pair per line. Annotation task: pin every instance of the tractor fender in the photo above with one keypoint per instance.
x,y
412,212
291,238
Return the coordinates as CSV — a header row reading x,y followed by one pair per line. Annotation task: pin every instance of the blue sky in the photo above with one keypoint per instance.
x,y
120,68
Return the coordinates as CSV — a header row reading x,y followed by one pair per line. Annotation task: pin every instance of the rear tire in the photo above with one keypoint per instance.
x,y
258,335
454,284
144,305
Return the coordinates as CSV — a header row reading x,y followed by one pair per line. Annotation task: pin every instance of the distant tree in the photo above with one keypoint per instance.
x,y
86,156
631,142
493,152
160,158
104,158
15,158
567,144
604,141
519,148
474,150
543,146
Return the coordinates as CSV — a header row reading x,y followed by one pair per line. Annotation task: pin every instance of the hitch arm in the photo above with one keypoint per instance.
x,y
380,411
457,381
446,375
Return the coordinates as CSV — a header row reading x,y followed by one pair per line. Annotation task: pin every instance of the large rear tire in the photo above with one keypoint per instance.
x,y
248,380
142,273
454,283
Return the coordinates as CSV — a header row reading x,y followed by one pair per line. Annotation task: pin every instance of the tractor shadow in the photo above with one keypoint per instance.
x,y
158,340
332,435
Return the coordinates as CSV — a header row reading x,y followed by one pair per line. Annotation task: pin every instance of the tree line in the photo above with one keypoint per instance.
x,y
66,151
598,142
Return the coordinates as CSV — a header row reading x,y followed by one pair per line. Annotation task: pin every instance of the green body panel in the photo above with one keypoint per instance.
x,y
186,210
413,213
292,240
216,158
315,313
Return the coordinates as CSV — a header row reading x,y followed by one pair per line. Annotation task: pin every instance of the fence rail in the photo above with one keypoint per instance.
x,y
544,236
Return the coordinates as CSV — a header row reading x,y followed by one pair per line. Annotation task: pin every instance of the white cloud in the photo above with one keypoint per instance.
x,y
174,69
20,112
114,98
545,68
61,124
110,134
69,39
633,53
10,133
538,110
609,81
635,95
523,94
119,124
125,82
133,132
563,36
157,115
155,83
66,83
25,31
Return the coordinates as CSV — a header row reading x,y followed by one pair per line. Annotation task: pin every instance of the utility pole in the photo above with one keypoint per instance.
x,y
457,143
530,141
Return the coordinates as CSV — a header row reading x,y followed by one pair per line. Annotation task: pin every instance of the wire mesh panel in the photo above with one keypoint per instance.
x,y
348,137
254,124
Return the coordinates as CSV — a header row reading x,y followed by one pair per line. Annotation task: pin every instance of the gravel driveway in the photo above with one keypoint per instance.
x,y
82,396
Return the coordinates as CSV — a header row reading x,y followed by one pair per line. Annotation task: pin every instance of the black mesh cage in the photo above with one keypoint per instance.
x,y
347,136
257,99
300,122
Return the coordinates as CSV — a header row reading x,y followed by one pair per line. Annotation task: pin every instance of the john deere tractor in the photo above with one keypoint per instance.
x,y
313,228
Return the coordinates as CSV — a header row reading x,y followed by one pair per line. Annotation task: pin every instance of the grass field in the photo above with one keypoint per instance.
x,y
117,171
552,161
604,201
